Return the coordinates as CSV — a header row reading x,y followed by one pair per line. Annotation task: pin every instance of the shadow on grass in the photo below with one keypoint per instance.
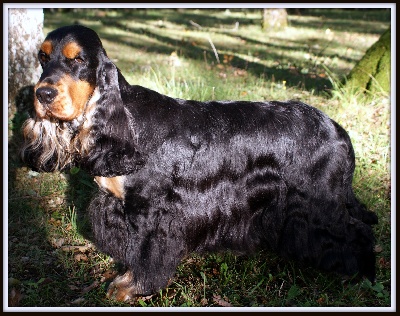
x,y
292,77
336,19
343,19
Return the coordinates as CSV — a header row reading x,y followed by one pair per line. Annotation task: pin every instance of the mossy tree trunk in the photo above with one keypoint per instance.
x,y
372,72
274,19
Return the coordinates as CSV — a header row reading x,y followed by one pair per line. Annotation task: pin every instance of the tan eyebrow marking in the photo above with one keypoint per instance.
x,y
47,47
71,50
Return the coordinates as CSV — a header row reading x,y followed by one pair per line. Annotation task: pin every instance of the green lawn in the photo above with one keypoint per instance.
x,y
52,261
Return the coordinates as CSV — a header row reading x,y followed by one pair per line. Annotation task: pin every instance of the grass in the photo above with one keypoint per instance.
x,y
51,259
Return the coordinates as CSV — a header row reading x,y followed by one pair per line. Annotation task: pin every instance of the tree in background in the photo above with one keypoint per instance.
x,y
372,72
274,19
25,33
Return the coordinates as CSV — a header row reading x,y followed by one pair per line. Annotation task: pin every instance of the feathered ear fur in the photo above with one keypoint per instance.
x,y
113,150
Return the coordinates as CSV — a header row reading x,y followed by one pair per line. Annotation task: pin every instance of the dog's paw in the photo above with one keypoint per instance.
x,y
122,288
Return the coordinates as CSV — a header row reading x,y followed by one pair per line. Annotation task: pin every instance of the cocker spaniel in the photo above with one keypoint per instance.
x,y
180,176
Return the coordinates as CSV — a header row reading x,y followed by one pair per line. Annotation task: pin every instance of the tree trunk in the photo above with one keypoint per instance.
x,y
372,72
25,34
274,19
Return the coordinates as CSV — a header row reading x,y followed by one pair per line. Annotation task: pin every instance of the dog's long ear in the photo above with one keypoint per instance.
x,y
107,83
114,151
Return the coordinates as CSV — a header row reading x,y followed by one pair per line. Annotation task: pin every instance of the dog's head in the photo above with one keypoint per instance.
x,y
76,103
70,57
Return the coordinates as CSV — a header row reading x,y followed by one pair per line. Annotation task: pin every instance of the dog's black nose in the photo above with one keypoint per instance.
x,y
46,95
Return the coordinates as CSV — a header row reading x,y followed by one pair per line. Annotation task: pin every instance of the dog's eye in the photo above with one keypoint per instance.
x,y
78,60
43,57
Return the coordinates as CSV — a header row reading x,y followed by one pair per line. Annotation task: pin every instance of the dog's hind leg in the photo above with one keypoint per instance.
x,y
324,235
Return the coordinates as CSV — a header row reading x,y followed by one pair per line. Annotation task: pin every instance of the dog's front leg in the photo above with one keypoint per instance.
x,y
122,288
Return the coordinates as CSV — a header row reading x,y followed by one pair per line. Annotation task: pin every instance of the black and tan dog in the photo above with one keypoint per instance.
x,y
180,176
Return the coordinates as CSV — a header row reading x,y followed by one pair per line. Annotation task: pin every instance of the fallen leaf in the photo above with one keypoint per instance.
x,y
90,287
57,243
69,227
240,72
221,302
146,298
73,287
80,257
78,301
32,174
204,301
76,248
227,58
14,297
384,263
378,248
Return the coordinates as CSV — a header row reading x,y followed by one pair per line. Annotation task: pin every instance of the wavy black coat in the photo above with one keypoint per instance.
x,y
239,176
